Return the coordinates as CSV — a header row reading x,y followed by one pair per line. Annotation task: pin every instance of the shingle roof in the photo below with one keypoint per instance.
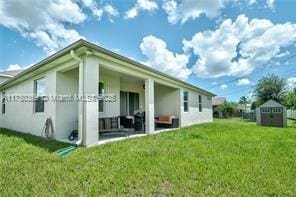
x,y
11,73
218,100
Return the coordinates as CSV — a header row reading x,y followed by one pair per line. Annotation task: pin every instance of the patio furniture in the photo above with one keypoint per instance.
x,y
166,121
112,125
139,121
127,121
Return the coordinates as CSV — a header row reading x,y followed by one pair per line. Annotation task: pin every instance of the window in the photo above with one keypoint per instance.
x,y
101,92
3,103
129,103
277,110
185,99
199,103
265,109
39,93
133,99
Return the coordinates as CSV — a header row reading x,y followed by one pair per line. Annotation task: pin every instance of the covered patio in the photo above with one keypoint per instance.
x,y
137,103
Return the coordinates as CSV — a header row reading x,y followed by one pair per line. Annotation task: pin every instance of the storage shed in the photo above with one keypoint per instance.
x,y
271,113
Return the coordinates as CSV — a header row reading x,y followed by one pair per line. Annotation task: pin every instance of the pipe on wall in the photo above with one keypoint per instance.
x,y
80,94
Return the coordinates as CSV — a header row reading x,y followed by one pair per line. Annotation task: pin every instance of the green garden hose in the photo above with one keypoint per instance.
x,y
67,150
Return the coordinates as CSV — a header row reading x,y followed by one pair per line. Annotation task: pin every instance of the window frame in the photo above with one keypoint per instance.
x,y
35,96
3,105
104,91
277,110
265,110
186,101
128,102
200,103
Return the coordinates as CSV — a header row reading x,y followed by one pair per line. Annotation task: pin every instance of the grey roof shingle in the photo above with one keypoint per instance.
x,y
11,72
218,101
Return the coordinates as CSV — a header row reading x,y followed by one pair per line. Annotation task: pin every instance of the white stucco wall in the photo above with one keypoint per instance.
x,y
67,112
20,116
166,101
193,116
112,85
63,80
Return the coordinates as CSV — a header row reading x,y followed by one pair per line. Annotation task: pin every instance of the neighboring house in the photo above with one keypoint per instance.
x,y
245,108
85,69
271,113
5,75
216,102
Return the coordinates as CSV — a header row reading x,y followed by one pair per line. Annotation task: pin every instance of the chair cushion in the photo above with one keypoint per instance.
x,y
165,118
163,122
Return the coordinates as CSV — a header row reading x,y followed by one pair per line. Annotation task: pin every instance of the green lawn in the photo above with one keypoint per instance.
x,y
225,157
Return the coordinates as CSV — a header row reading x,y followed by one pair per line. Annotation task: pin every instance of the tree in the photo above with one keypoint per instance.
x,y
290,100
243,101
227,108
270,87
255,104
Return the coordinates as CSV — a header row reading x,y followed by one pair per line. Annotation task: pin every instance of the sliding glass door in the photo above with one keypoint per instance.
x,y
129,103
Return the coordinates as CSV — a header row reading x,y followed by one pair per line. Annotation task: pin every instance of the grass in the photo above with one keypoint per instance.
x,y
225,157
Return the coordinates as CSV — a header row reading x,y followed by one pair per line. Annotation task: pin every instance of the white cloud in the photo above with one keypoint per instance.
x,y
191,9
13,67
43,21
184,10
88,3
238,47
223,86
160,58
141,5
242,82
131,13
291,83
65,10
282,54
250,2
270,3
18,67
110,10
99,10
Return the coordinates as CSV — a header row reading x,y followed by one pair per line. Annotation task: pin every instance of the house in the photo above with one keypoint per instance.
x,y
217,101
5,75
245,107
271,113
87,70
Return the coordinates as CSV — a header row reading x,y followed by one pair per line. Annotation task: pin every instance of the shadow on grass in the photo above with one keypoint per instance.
x,y
291,123
248,120
48,145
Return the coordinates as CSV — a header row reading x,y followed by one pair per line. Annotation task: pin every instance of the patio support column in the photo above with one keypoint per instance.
x,y
180,107
149,105
91,112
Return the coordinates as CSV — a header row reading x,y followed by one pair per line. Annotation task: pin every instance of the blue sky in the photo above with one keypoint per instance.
x,y
206,44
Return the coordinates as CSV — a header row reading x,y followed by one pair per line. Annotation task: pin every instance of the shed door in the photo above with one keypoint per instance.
x,y
272,116
277,119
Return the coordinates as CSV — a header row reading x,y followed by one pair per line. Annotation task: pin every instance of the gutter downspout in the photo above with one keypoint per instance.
x,y
80,94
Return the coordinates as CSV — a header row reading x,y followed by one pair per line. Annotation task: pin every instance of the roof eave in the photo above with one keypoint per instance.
x,y
4,75
115,55
81,43
45,61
